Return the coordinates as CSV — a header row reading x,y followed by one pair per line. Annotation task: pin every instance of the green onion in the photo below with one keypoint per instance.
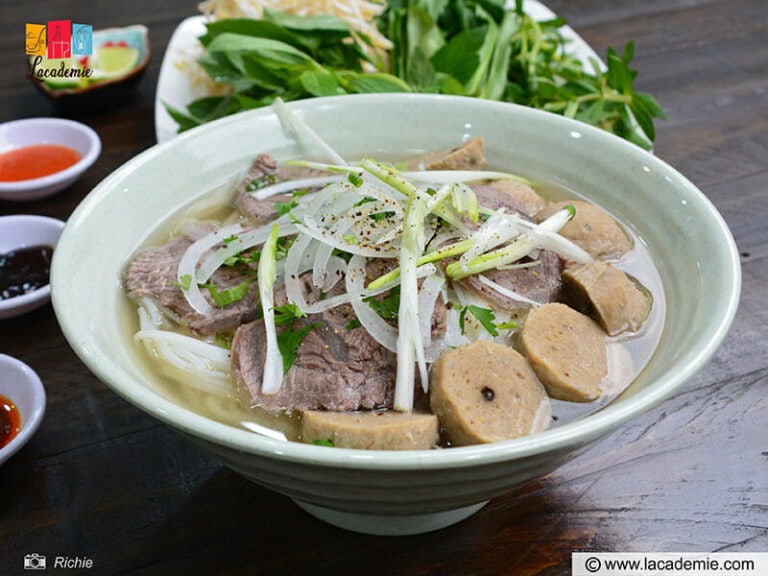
x,y
272,376
520,248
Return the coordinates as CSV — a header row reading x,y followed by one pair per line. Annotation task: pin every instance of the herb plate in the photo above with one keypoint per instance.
x,y
178,88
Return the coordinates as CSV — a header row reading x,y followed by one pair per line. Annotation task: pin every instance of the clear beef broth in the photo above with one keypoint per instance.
x,y
628,353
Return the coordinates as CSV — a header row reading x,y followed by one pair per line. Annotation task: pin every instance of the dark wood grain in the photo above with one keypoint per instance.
x,y
102,479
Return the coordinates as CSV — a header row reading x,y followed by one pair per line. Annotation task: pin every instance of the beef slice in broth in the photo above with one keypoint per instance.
x,y
567,352
601,290
467,156
265,171
337,367
540,283
371,430
508,194
486,392
592,228
153,272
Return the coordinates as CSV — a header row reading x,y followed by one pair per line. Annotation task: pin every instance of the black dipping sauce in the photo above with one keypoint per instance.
x,y
24,270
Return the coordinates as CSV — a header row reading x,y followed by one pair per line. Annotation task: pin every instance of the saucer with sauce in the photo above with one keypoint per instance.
x,y
27,244
22,405
42,156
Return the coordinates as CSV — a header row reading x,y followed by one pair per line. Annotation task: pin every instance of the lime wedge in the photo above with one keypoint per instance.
x,y
49,66
113,61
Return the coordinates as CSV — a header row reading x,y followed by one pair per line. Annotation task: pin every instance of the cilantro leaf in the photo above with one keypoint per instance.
x,y
324,442
184,282
223,298
283,208
485,316
287,313
386,307
289,341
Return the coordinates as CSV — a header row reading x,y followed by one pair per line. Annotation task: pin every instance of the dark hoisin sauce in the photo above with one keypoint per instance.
x,y
24,270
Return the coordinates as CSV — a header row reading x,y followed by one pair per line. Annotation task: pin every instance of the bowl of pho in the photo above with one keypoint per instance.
x,y
394,308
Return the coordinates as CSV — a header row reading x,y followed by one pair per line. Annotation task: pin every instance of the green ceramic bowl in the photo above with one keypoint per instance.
x,y
400,492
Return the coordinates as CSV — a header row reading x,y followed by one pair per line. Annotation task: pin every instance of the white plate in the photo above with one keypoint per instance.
x,y
176,88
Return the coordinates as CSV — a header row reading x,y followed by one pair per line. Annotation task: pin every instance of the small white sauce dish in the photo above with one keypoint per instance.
x,y
24,231
59,131
22,386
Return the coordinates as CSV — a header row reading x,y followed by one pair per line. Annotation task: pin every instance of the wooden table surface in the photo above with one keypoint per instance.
x,y
103,480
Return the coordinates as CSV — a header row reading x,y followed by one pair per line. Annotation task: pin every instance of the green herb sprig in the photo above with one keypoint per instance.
x,y
467,47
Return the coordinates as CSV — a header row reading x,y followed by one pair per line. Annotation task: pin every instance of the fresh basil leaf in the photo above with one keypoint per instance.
x,y
184,121
320,82
373,83
461,56
250,27
313,23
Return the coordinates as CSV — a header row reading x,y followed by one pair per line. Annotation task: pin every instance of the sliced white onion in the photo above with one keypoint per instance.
x,y
293,262
312,228
334,272
506,291
243,241
494,232
320,268
428,293
293,185
459,176
188,266
381,331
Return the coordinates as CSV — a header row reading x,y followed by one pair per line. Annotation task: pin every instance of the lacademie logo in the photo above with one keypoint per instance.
x,y
59,40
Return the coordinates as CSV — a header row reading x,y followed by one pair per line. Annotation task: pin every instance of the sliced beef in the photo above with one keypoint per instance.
x,y
567,351
592,228
376,267
336,368
486,392
264,171
152,274
509,194
540,282
466,156
606,293
371,430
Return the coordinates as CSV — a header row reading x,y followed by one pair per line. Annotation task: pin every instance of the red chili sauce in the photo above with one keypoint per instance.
x,y
36,161
10,421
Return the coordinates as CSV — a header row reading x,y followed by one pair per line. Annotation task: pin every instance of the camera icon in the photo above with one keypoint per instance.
x,y
34,562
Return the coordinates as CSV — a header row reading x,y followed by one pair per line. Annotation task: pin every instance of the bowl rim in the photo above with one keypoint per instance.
x,y
24,302
85,162
570,435
29,422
